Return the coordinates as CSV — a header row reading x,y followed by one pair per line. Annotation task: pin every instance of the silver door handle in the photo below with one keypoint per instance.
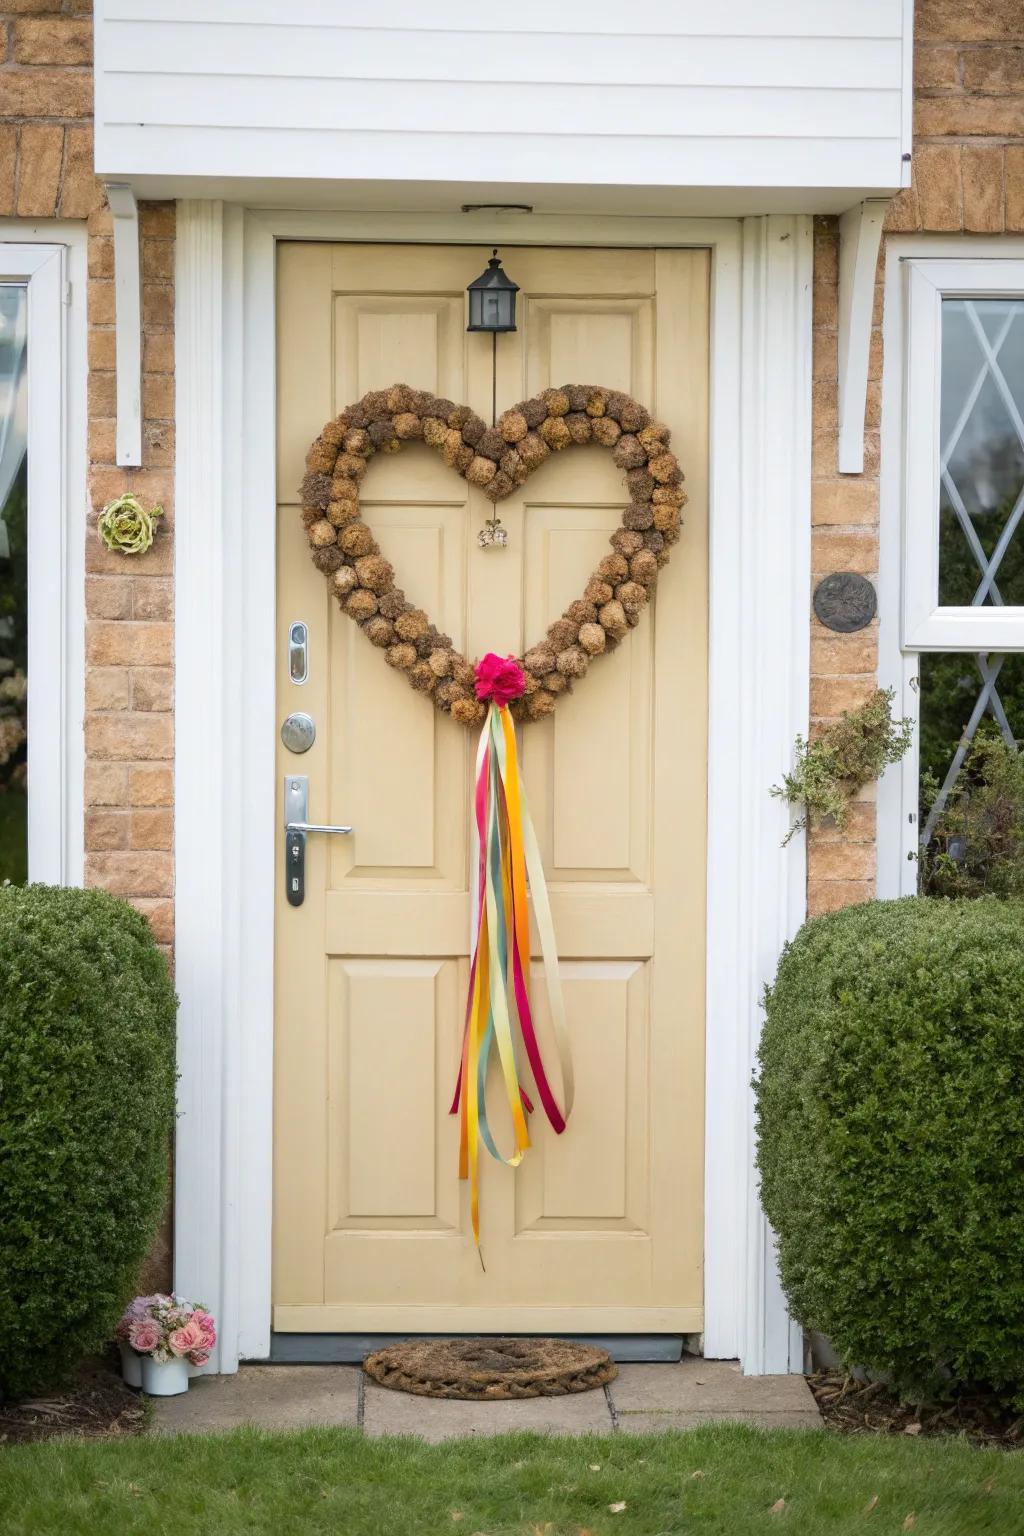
x,y
312,826
296,805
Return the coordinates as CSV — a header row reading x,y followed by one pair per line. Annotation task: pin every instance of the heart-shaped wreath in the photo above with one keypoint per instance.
x,y
497,459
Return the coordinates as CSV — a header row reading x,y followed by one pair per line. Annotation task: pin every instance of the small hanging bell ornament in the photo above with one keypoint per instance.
x,y
493,535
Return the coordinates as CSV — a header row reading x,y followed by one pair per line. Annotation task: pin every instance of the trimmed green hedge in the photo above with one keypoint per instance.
x,y
87,1026
890,1111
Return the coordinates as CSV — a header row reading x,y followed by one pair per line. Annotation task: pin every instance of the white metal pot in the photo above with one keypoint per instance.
x,y
131,1366
164,1378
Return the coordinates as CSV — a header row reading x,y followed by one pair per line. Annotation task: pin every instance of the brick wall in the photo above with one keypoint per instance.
x,y
968,175
46,171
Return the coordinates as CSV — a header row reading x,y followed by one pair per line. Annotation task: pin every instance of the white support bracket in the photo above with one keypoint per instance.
x,y
860,235
128,323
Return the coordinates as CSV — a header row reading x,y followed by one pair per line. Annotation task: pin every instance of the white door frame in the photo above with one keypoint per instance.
x,y
49,257
227,812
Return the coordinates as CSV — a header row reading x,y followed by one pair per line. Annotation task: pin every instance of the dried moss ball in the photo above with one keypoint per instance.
x,y
379,630
321,533
361,604
351,465
468,711
500,487
465,673
606,431
557,402
598,591
481,471
581,611
315,490
640,484
357,440
643,568
665,517
627,453
398,398
356,539
539,660
592,639
654,540
408,426
341,512
618,402
311,515
512,426
459,416
573,661
578,396
447,692
321,456
597,402
533,450
412,625
562,633
434,431
334,431
345,581
638,516
492,445
451,446
328,560
375,403
664,468
555,433
402,656
441,662
613,620
375,573
534,410
556,682
633,417
626,542
613,568
422,677
393,603
540,704
655,434
473,430
579,424
513,466
357,414
632,596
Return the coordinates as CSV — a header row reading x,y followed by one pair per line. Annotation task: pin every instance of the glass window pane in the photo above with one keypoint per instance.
x,y
981,553
13,585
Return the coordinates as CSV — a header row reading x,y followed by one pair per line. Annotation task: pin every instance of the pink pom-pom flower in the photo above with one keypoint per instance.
x,y
499,679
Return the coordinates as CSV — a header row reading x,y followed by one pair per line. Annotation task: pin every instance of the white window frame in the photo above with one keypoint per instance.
x,y
920,271
926,625
50,259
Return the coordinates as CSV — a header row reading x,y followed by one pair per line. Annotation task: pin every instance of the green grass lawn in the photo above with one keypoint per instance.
x,y
719,1479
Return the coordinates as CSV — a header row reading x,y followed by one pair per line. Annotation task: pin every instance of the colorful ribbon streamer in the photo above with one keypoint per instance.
x,y
506,859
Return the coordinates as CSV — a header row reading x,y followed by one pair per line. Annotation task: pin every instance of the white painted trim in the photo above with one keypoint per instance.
x,y
948,258
860,235
127,323
50,256
225,654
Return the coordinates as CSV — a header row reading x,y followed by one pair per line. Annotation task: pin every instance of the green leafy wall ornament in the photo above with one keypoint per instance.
x,y
126,525
847,755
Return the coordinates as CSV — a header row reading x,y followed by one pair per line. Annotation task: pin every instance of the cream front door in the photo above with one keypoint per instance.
x,y
600,1229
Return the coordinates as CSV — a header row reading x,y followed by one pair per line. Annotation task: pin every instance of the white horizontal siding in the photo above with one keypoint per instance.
x,y
803,93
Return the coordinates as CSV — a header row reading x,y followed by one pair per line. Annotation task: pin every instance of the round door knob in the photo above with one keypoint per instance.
x,y
298,732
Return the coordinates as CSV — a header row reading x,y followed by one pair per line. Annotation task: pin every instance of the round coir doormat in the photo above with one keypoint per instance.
x,y
490,1369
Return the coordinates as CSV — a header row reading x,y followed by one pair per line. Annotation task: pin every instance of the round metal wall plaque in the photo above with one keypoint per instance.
x,y
298,732
845,601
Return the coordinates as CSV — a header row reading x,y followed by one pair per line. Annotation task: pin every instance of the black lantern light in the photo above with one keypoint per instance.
x,y
492,300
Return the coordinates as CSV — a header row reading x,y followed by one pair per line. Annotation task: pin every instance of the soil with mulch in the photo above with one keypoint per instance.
x,y
96,1405
852,1407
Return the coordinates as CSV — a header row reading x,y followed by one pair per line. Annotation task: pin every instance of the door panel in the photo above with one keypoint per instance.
x,y
600,1229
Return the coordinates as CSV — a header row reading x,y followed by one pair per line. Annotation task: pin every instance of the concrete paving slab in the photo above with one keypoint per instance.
x,y
702,1386
270,1396
434,1418
656,1423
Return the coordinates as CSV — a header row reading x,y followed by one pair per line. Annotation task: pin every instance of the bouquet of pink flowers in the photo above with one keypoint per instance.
x,y
168,1328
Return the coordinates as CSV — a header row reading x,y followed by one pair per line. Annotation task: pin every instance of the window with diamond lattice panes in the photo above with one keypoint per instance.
x,y
971,700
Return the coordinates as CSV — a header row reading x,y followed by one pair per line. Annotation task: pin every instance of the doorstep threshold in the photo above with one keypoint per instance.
x,y
352,1348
